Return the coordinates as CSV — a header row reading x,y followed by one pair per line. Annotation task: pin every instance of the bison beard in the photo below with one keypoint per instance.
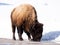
x,y
24,17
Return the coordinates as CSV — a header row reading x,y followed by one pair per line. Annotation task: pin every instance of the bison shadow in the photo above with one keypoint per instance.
x,y
50,36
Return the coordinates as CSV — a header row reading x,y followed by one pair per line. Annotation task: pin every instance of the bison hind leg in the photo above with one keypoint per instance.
x,y
20,32
13,30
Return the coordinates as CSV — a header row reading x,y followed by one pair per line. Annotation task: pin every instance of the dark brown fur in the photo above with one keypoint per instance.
x,y
36,31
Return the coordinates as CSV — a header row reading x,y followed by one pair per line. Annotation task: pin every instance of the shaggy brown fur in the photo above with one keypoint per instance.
x,y
23,17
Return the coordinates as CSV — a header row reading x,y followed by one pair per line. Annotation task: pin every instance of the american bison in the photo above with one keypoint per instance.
x,y
24,17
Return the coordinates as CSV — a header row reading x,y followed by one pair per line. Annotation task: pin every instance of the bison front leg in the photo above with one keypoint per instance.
x,y
28,34
20,31
13,30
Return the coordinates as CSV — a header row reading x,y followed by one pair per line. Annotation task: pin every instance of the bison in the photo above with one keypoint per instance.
x,y
24,17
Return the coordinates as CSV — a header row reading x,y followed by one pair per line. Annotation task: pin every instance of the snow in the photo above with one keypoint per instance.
x,y
48,12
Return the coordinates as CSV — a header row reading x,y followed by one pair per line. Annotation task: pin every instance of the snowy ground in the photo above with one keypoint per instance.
x,y
17,42
48,13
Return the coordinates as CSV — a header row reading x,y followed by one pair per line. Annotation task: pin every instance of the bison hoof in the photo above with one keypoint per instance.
x,y
21,39
14,38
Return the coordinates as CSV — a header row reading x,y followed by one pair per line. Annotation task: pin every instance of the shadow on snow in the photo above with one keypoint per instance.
x,y
50,36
